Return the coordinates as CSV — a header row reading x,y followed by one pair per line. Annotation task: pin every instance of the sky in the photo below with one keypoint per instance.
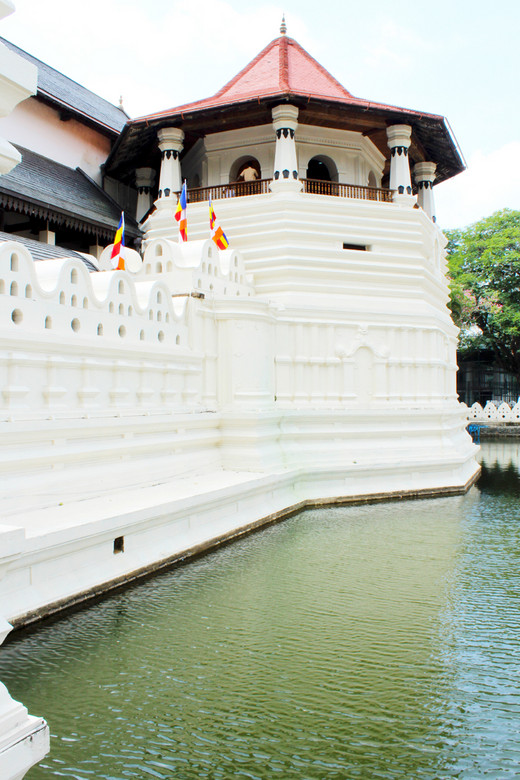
x,y
457,58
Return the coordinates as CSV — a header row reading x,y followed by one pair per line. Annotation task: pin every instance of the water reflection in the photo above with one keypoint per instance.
x,y
360,642
500,467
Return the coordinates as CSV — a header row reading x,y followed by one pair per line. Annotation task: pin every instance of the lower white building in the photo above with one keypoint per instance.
x,y
24,739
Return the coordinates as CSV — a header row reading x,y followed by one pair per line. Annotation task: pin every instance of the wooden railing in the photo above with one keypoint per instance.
x,y
316,187
236,189
240,189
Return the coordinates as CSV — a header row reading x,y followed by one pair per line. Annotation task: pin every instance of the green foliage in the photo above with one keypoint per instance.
x,y
484,267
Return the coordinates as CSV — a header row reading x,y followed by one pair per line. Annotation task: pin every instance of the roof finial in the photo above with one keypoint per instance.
x,y
283,26
121,102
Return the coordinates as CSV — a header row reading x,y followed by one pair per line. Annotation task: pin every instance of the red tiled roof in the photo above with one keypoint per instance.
x,y
284,72
282,68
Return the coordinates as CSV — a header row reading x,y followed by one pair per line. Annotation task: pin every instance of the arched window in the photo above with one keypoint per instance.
x,y
372,181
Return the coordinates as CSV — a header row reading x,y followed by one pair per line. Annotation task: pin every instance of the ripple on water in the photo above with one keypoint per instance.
x,y
361,642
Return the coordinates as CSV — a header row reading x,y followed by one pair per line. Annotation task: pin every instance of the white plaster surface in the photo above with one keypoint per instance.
x,y
24,739
38,127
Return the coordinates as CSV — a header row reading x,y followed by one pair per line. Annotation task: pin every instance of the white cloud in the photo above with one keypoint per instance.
x,y
490,183
393,46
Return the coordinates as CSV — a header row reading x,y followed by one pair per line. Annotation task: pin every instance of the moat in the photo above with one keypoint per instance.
x,y
376,641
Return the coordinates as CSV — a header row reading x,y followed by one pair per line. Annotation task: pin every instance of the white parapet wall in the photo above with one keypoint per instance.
x,y
148,415
495,412
24,738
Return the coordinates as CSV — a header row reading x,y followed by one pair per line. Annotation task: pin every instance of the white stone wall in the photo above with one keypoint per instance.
x,y
76,341
38,127
351,327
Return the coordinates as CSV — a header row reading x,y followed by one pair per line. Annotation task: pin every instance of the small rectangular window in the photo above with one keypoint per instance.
x,y
359,247
119,544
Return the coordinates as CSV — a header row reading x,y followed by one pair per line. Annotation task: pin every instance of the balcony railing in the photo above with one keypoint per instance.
x,y
237,189
240,189
316,187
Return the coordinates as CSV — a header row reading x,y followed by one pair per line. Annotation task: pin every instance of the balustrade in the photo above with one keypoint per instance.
x,y
312,186
316,187
237,189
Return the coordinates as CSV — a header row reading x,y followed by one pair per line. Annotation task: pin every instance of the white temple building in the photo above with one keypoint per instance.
x,y
150,413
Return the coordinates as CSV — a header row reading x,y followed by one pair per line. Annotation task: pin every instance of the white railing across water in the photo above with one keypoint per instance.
x,y
493,413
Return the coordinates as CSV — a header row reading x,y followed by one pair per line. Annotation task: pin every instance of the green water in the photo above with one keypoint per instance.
x,y
363,642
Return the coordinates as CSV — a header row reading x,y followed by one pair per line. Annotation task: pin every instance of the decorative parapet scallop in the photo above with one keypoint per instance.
x,y
196,266
493,413
75,341
63,297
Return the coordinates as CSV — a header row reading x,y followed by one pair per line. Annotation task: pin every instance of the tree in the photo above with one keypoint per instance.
x,y
484,267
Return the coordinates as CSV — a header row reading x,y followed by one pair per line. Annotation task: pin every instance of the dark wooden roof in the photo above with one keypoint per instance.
x,y
40,251
44,187
71,99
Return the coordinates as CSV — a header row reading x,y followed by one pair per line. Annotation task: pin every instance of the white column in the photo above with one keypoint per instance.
x,y
47,237
399,137
170,183
24,739
144,178
285,122
424,173
95,250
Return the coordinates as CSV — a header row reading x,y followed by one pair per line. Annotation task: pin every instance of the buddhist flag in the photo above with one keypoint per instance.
x,y
217,234
180,214
116,257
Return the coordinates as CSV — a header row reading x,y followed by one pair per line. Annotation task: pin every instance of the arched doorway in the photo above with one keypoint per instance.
x,y
317,170
245,169
245,175
321,168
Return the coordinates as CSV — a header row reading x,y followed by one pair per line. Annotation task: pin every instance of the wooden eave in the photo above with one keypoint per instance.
x,y
31,207
431,138
66,112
